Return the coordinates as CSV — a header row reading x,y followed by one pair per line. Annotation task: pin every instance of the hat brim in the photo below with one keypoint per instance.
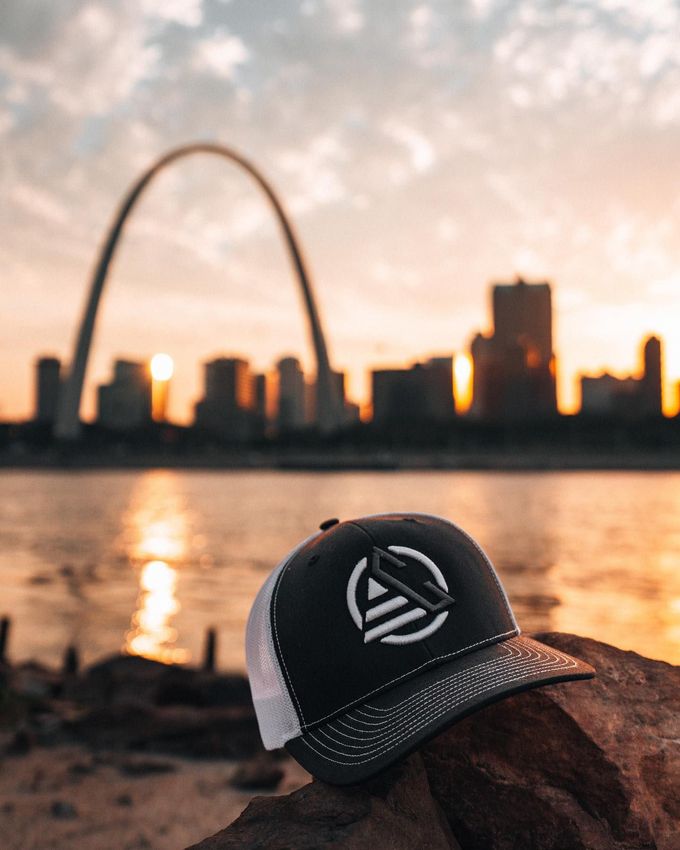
x,y
370,737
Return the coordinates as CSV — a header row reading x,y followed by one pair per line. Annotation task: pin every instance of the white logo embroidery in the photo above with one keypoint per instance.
x,y
379,583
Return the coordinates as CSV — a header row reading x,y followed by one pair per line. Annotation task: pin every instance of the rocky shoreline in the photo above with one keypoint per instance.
x,y
588,765
577,766
127,755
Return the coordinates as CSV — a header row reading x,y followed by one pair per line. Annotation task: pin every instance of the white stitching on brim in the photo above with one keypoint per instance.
x,y
401,732
392,741
525,658
522,658
486,642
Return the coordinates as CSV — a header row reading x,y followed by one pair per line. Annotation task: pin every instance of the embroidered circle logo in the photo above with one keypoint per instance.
x,y
395,595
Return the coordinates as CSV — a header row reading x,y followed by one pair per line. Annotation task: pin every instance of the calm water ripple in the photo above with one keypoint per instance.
x,y
146,560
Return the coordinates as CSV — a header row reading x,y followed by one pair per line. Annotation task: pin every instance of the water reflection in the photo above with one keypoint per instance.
x,y
156,543
593,553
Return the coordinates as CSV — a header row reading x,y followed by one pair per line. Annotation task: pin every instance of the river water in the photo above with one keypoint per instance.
x,y
145,561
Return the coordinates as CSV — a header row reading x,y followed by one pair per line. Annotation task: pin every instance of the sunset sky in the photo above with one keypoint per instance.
x,y
423,149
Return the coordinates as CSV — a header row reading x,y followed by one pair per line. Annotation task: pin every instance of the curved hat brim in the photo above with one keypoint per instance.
x,y
370,737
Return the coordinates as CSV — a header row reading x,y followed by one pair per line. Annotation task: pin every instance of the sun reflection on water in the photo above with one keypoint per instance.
x,y
157,526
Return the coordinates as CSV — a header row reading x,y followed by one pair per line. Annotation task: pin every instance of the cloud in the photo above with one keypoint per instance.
x,y
420,150
347,15
36,202
95,60
221,55
186,12
316,169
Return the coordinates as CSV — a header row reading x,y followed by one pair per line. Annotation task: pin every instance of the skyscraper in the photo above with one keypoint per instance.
x,y
291,395
514,367
125,403
652,378
227,405
47,383
259,412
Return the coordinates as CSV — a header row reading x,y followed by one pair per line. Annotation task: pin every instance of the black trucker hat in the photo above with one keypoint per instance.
x,y
375,634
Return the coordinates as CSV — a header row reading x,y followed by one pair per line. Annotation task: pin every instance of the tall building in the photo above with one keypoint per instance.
x,y
227,405
514,367
629,397
421,394
47,383
292,407
125,403
651,381
259,411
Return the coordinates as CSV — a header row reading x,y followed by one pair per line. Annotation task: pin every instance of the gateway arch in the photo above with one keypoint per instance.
x,y
67,426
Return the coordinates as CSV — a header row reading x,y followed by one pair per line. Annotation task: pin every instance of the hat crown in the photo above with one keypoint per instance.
x,y
368,603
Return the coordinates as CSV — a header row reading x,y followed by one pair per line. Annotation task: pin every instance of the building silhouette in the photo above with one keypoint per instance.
x,y
607,395
651,382
628,397
349,412
124,404
514,366
421,394
259,415
292,407
47,386
227,407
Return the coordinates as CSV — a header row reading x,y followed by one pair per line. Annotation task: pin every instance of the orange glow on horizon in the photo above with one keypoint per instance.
x,y
462,381
162,368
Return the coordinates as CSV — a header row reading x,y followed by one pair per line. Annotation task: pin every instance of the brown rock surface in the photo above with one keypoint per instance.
x,y
576,765
262,772
589,765
394,811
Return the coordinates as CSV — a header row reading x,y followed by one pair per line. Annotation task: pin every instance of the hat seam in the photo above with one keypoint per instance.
x,y
410,673
406,724
384,749
278,644
484,672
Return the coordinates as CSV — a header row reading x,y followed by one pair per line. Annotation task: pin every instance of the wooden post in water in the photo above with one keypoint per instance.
x,y
4,637
210,650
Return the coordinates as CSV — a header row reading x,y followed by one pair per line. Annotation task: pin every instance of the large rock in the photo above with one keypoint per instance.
x,y
574,766
577,765
393,812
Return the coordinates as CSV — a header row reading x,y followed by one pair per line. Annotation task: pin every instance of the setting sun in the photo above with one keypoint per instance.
x,y
162,367
462,380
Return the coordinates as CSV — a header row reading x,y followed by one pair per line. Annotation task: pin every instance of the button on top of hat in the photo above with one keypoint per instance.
x,y
329,523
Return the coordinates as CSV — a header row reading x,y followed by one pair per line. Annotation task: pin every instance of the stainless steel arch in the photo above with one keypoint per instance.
x,y
67,426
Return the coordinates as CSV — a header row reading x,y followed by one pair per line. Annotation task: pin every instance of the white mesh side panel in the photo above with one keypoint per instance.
x,y
276,716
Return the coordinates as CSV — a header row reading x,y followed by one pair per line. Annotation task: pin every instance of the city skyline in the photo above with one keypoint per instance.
x,y
508,375
422,150
507,139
